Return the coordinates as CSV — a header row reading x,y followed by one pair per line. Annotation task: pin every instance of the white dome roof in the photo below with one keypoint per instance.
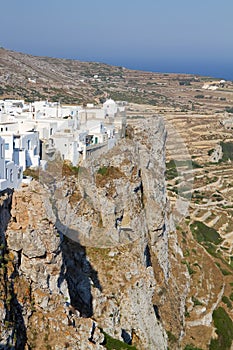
x,y
110,102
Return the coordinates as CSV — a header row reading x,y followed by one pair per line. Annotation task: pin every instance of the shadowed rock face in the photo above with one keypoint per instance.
x,y
87,249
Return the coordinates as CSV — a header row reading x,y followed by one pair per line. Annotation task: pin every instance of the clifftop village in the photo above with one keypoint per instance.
x,y
30,134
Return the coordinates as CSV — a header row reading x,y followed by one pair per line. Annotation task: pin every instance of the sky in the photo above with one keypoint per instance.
x,y
183,36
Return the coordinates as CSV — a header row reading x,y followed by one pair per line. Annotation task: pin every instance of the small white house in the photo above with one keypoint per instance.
x,y
67,145
10,174
22,149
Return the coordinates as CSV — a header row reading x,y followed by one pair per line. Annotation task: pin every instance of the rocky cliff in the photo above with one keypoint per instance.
x,y
87,253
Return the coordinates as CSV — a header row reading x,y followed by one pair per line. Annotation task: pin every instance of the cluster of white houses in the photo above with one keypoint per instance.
x,y
31,134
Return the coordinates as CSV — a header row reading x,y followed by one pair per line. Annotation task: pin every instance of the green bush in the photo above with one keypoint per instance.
x,y
196,302
203,233
195,165
211,249
227,148
191,347
229,109
224,330
103,171
185,82
34,173
171,337
227,301
114,344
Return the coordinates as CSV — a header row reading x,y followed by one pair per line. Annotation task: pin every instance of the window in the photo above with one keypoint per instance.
x,y
7,174
2,152
7,146
19,174
11,175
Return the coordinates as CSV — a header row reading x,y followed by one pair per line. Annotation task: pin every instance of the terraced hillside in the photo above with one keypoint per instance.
x,y
205,231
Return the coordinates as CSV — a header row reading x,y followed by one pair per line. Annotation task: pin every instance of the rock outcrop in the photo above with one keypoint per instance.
x,y
87,254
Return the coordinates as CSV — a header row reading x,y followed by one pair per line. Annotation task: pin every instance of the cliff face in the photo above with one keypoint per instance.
x,y
90,251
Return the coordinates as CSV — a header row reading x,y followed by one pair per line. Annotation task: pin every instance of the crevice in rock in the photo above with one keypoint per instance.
x,y
127,338
156,311
91,339
147,256
118,222
19,258
139,188
161,230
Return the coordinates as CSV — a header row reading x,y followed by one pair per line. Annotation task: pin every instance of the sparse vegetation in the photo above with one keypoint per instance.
x,y
171,171
68,169
171,337
103,171
34,173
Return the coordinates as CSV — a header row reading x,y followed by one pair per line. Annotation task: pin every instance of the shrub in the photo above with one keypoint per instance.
x,y
229,109
191,347
171,337
227,148
203,233
226,301
224,330
31,172
115,344
68,169
196,302
103,171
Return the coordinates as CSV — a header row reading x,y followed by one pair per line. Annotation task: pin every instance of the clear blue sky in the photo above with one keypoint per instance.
x,y
193,36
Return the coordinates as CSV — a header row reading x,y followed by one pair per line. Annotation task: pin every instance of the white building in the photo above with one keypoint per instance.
x,y
10,174
70,130
22,149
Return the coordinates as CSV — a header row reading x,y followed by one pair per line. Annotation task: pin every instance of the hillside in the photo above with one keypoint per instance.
x,y
70,81
169,283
